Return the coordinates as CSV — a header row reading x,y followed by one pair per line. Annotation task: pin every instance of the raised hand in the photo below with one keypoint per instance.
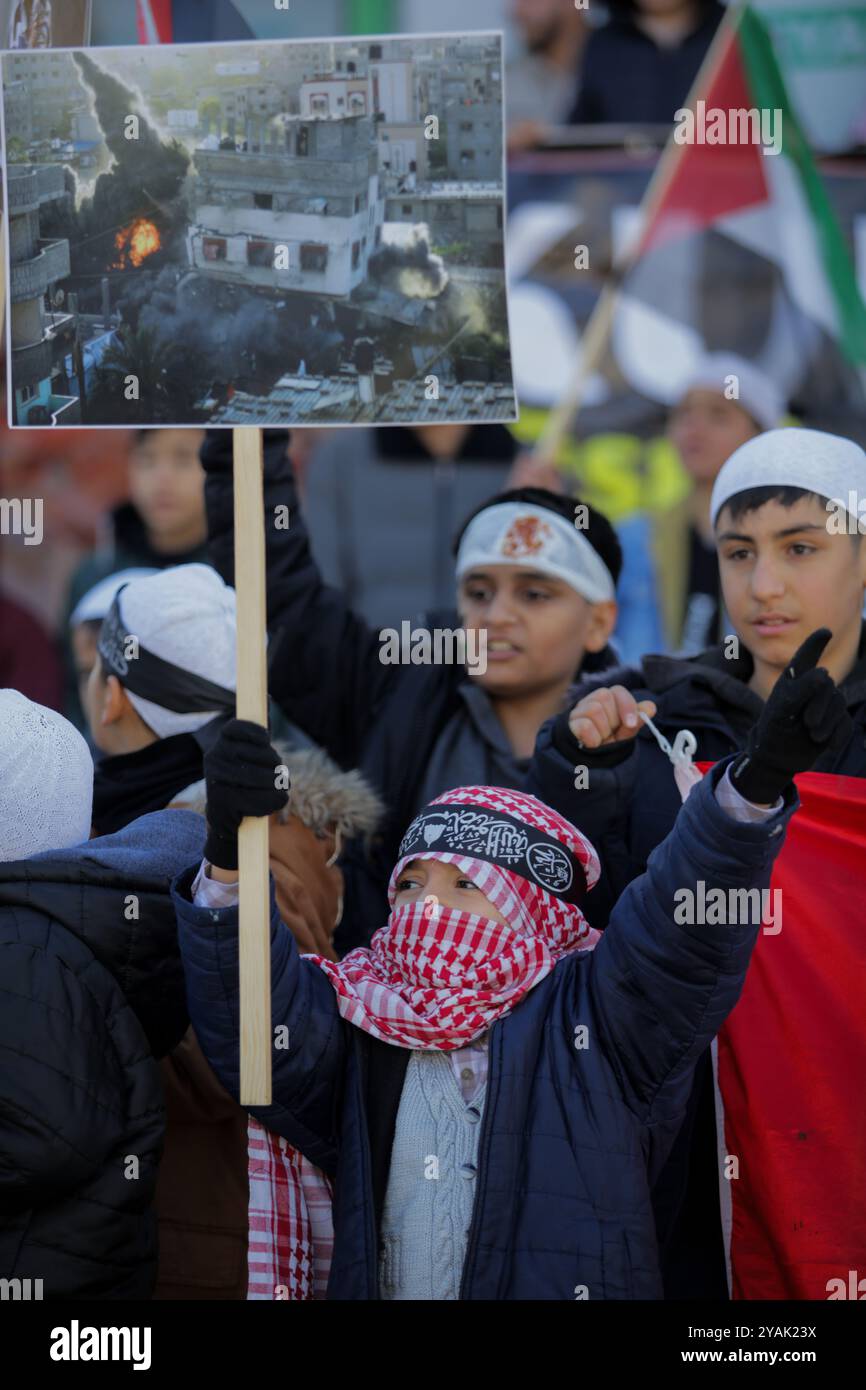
x,y
804,717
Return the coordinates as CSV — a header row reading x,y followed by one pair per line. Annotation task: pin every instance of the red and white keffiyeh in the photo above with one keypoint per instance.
x,y
290,1229
432,979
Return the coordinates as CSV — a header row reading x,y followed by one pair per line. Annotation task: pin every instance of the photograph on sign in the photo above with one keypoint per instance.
x,y
267,233
44,23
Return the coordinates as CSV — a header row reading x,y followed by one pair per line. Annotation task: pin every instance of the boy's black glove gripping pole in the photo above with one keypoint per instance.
x,y
240,775
804,717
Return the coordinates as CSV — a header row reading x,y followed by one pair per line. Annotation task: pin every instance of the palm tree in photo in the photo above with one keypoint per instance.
x,y
134,374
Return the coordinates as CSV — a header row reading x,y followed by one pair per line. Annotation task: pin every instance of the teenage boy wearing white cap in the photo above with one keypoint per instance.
x,y
726,402
163,680
85,623
161,526
785,510
535,572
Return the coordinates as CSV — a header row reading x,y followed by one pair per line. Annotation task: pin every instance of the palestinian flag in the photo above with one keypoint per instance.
x,y
154,21
739,249
183,21
791,1067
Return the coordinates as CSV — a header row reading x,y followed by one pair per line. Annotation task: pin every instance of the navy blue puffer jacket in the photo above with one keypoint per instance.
x,y
572,1138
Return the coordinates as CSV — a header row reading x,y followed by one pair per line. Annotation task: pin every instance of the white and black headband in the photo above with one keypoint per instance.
x,y
150,677
500,839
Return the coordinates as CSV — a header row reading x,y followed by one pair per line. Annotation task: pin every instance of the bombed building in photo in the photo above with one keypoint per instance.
x,y
473,134
463,213
288,206
39,325
271,226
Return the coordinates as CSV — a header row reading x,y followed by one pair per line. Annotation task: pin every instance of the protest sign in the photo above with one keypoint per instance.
x,y
262,233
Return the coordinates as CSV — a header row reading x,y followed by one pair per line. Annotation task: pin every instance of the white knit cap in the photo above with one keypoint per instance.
x,y
755,392
93,606
185,615
517,533
825,464
46,780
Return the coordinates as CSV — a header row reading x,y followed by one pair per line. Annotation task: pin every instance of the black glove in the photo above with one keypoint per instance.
x,y
804,717
240,774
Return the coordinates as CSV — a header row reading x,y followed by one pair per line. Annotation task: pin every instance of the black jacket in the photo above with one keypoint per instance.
x,y
627,809
92,993
325,673
626,77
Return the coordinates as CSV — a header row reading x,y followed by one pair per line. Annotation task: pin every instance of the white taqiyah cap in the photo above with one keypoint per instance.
x,y
94,605
186,616
742,382
46,780
825,464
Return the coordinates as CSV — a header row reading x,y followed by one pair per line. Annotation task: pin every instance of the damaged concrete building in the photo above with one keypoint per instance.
x,y
292,205
38,328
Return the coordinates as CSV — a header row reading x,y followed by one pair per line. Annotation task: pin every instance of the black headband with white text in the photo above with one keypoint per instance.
x,y
498,839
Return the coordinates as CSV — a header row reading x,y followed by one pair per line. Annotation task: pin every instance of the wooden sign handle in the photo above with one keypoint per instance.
x,y
252,703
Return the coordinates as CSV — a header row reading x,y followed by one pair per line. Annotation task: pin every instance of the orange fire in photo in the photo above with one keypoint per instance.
x,y
136,242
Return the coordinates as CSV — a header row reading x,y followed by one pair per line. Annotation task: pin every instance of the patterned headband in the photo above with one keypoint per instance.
x,y
499,839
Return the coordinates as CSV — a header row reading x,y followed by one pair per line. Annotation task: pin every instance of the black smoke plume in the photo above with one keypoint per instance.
x,y
145,180
205,334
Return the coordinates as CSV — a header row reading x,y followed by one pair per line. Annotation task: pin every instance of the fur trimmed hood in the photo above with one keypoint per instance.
x,y
326,798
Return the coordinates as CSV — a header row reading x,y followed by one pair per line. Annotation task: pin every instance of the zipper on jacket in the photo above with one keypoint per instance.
x,y
370,1203
483,1145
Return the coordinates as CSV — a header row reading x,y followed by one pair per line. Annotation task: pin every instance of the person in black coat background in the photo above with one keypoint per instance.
x,y
639,67
93,994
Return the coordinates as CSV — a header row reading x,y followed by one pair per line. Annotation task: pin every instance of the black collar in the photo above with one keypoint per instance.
x,y
130,785
730,676
482,444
